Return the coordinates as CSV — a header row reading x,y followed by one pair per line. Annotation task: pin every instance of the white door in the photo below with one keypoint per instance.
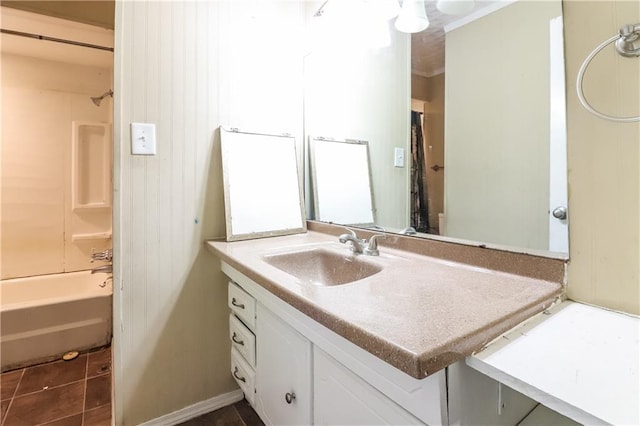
x,y
558,201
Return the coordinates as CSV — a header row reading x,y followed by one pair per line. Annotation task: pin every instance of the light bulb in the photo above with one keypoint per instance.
x,y
413,17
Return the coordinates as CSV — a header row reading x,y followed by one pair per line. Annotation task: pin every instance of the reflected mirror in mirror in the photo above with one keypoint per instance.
x,y
487,94
340,176
262,193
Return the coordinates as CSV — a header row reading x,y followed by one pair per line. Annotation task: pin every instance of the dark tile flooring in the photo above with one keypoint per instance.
x,y
59,393
78,393
238,414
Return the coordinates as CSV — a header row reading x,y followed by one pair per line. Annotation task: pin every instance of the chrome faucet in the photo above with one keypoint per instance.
x,y
106,255
356,244
107,269
369,248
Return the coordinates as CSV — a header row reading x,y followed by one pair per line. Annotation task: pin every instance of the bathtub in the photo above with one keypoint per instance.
x,y
45,316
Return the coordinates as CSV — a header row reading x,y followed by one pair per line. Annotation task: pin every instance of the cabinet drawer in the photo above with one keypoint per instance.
x,y
243,340
243,305
244,375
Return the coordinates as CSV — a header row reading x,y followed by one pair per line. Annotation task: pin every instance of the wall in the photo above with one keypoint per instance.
x,y
497,149
343,101
40,100
187,67
603,160
434,148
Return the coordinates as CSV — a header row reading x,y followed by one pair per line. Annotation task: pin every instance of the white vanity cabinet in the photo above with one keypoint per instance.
x,y
243,340
306,374
283,375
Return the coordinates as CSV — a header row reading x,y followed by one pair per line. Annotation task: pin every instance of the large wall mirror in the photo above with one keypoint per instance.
x,y
474,105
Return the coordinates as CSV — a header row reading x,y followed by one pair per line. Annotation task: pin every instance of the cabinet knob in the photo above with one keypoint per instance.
x,y
235,339
234,302
289,397
235,374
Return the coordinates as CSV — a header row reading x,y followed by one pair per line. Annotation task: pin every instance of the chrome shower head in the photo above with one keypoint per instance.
x,y
96,100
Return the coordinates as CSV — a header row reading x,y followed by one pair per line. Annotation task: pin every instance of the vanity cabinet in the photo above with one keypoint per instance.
x,y
306,374
243,339
283,375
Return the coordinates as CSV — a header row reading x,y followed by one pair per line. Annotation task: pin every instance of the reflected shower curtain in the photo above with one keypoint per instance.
x,y
419,209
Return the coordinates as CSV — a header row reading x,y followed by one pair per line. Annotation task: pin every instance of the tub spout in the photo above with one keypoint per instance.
x,y
107,269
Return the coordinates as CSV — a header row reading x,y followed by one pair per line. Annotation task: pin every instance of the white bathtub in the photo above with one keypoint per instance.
x,y
44,316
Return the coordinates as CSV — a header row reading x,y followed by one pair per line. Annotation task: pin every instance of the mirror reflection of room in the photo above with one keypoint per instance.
x,y
485,159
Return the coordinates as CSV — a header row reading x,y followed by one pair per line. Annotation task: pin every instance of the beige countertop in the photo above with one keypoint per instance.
x,y
419,314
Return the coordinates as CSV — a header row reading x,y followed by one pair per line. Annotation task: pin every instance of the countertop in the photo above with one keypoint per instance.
x,y
419,314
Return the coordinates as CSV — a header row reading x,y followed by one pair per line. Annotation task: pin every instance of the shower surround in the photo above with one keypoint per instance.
x,y
56,184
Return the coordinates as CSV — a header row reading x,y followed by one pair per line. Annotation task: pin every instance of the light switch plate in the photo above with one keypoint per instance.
x,y
143,139
398,157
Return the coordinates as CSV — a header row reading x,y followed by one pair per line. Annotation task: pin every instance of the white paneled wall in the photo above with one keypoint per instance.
x,y
187,67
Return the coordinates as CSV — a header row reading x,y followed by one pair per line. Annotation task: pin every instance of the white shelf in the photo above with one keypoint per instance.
x,y
92,236
579,360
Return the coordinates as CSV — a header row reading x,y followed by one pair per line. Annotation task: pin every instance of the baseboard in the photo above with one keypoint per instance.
x,y
197,409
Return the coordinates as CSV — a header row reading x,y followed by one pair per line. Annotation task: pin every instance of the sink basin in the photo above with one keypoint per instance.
x,y
323,267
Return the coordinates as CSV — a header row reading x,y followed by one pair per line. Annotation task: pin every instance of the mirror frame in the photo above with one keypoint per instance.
x,y
228,187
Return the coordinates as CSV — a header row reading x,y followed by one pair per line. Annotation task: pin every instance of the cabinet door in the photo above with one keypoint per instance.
x,y
283,372
342,398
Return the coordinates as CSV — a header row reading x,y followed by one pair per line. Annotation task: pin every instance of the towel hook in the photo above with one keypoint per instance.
x,y
627,44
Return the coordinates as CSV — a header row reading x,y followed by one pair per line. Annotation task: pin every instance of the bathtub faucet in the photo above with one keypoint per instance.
x,y
106,255
107,269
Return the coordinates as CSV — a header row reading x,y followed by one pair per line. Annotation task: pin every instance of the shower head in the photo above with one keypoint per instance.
x,y
96,100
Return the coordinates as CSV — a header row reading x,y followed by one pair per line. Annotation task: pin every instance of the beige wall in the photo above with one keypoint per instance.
x,y
419,87
434,148
40,100
430,90
497,126
603,160
187,67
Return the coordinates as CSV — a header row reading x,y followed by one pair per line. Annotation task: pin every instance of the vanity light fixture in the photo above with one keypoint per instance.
x,y
455,7
413,17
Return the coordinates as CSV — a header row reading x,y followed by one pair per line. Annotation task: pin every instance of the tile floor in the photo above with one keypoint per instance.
x,y
78,393
238,414
60,393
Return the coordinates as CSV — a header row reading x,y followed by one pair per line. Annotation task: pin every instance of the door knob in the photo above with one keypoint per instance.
x,y
560,213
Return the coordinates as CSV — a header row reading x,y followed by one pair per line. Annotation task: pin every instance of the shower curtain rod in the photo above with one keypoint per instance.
x,y
57,40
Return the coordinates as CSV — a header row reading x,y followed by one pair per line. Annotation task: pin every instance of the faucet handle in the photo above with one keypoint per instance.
x,y
106,255
372,246
351,231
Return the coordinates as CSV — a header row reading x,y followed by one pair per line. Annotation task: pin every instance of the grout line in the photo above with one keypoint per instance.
x,y
84,393
12,397
238,414
57,419
47,389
